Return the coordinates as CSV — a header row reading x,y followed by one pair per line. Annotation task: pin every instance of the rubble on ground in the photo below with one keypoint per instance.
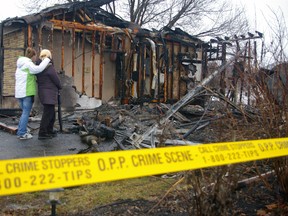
x,y
114,126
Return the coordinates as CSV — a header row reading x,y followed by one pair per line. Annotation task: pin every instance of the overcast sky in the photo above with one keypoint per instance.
x,y
261,12
255,9
258,11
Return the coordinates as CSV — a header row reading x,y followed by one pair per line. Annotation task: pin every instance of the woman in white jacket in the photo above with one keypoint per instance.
x,y
25,87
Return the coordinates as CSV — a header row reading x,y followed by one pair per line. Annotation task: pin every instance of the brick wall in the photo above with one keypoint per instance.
x,y
13,47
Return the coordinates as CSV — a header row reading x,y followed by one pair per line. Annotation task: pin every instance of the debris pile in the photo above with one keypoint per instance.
x,y
115,126
112,126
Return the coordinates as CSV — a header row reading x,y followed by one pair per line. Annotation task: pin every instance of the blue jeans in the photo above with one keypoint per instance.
x,y
26,104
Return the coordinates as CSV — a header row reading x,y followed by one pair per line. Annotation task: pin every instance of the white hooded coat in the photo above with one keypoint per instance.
x,y
25,80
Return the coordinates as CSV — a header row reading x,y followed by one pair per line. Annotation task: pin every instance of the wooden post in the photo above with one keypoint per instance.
x,y
93,64
83,61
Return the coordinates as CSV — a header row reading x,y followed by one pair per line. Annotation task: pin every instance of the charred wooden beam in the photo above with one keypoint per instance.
x,y
171,71
198,88
8,128
178,72
100,130
93,63
137,139
62,43
51,39
78,26
8,112
83,61
73,52
101,52
29,33
40,37
158,74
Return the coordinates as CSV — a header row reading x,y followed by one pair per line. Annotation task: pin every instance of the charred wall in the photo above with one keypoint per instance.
x,y
130,64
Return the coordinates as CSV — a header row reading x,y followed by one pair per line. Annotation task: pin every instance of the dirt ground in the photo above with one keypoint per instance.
x,y
252,200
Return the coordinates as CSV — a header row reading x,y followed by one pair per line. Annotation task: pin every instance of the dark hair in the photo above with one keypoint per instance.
x,y
30,52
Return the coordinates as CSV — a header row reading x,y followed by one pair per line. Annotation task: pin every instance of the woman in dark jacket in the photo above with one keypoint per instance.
x,y
48,86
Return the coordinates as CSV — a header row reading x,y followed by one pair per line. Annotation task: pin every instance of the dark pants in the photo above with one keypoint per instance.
x,y
47,120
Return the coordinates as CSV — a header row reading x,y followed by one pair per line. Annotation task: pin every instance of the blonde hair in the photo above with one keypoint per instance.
x,y
45,53
30,52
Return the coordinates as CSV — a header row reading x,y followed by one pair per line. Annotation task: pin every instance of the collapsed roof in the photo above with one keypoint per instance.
x,y
83,12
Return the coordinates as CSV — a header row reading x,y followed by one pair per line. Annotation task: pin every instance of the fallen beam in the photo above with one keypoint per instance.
x,y
8,128
138,139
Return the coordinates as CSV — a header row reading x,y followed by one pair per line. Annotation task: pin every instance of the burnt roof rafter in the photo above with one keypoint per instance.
x,y
82,12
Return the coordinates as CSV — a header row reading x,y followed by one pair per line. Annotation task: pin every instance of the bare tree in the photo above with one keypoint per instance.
x,y
32,6
227,19
276,51
198,17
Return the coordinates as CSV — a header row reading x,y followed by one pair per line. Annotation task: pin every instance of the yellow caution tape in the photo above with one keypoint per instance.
x,y
35,174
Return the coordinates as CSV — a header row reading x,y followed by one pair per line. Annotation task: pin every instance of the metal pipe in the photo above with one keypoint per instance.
x,y
154,67
134,85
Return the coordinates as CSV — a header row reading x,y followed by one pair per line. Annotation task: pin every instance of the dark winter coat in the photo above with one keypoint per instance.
x,y
48,85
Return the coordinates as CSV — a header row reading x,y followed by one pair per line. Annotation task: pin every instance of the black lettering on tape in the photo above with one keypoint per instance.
x,y
205,149
178,156
21,167
146,159
65,163
101,164
282,144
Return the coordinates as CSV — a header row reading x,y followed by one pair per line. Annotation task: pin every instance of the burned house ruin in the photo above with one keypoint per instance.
x,y
106,57
103,57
